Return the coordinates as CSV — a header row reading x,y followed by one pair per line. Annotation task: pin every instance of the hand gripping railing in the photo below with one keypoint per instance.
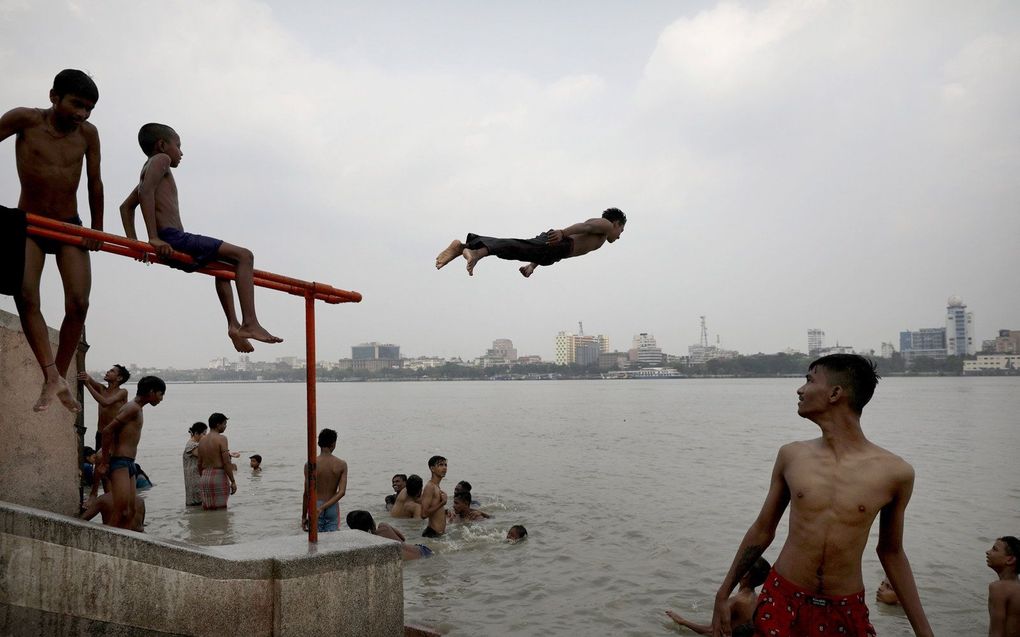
x,y
47,228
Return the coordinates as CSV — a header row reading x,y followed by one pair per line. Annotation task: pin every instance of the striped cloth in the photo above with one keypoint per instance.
x,y
215,488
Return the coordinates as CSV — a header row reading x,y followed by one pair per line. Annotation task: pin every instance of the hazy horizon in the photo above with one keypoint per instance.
x,y
784,165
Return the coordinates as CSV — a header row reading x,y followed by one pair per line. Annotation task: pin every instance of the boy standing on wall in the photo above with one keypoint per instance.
x,y
50,147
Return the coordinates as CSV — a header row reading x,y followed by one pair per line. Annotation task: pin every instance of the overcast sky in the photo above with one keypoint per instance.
x,y
784,165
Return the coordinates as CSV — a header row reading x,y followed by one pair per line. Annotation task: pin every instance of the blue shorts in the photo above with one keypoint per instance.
x,y
123,462
199,247
329,519
424,550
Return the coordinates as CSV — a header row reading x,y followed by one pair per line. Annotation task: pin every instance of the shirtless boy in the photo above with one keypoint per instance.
x,y
120,446
110,398
103,505
398,482
545,249
330,485
363,521
50,148
433,499
741,604
462,511
835,487
215,470
408,502
157,195
1004,593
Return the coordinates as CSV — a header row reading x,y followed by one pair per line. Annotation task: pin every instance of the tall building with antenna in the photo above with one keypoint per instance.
x,y
579,348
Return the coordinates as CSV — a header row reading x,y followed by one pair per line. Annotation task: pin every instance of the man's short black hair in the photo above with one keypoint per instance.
x,y
75,82
150,134
198,428
256,457
402,476
434,460
852,372
1012,548
613,215
463,496
87,451
122,373
216,418
414,485
327,438
149,384
361,521
465,485
520,531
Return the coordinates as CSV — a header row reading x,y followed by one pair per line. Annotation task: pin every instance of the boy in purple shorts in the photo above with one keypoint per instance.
x,y
157,195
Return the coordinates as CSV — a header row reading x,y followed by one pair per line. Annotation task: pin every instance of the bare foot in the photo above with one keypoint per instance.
x,y
241,344
451,252
56,389
527,270
472,259
259,333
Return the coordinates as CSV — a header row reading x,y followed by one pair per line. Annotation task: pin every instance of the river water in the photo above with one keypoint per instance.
x,y
635,493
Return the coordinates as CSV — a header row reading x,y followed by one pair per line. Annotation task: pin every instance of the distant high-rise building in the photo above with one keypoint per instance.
x,y
928,342
959,328
645,349
505,348
375,351
815,340
888,350
567,346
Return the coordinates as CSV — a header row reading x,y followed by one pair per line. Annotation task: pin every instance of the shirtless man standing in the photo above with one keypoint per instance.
x,y
545,249
1004,593
120,447
51,146
330,485
216,473
408,502
109,398
433,499
835,486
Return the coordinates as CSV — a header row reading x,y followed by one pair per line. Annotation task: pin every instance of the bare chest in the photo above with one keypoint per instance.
x,y
850,491
39,150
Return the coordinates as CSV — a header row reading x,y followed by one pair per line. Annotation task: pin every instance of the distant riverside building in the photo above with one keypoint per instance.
x,y
291,361
424,362
700,354
570,346
888,350
645,351
502,353
375,351
927,342
815,341
959,328
610,360
988,362
1008,342
835,349
530,359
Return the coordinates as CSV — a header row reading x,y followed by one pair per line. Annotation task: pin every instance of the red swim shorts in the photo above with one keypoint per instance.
x,y
788,610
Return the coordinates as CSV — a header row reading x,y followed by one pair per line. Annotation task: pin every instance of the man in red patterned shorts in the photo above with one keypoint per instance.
x,y
835,486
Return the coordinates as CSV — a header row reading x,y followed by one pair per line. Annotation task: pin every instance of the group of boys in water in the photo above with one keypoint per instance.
x,y
834,486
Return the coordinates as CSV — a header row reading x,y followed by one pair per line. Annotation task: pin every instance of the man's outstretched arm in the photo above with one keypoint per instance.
x,y
894,559
756,540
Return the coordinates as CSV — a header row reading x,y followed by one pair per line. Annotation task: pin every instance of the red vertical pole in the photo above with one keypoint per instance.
x,y
313,518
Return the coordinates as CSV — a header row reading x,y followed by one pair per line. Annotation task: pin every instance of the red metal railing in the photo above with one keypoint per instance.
x,y
311,291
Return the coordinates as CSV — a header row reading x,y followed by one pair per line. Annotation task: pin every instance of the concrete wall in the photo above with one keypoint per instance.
x,y
39,454
60,575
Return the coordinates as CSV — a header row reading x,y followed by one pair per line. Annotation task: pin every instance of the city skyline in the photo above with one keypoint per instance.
x,y
784,165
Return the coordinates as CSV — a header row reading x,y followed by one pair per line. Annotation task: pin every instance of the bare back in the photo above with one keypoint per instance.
x,y
1004,608
212,449
405,506
587,242
330,472
833,503
49,162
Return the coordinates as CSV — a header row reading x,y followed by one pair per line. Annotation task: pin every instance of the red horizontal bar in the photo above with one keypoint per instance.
x,y
141,250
